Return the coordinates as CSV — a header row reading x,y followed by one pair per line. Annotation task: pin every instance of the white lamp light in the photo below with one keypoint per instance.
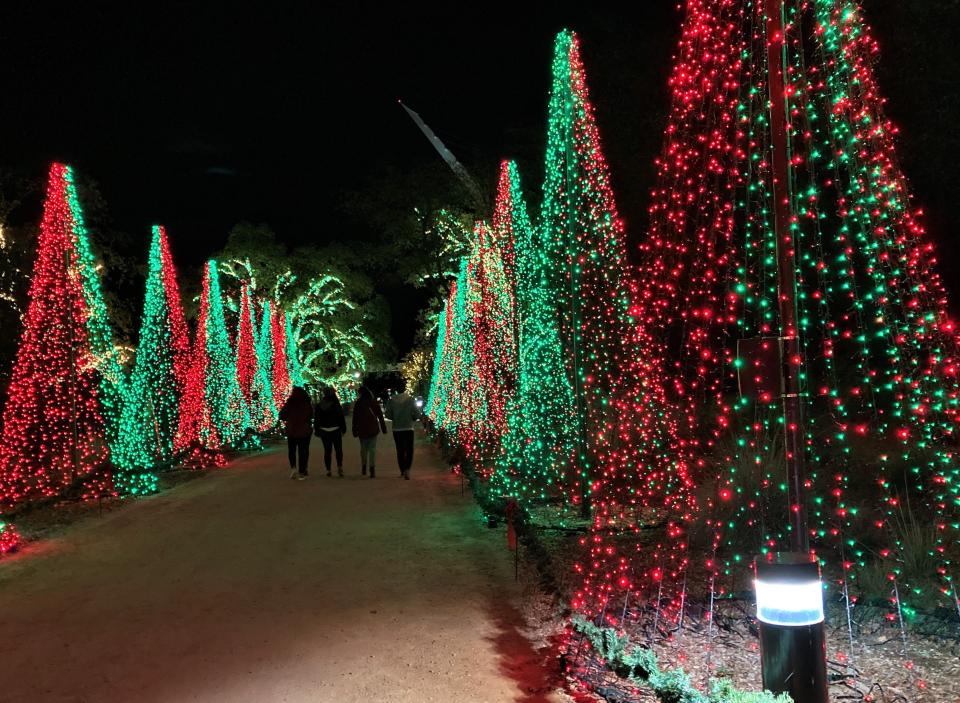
x,y
793,645
789,603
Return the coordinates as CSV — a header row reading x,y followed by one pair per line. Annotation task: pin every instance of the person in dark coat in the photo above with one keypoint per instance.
x,y
297,414
330,425
368,422
403,411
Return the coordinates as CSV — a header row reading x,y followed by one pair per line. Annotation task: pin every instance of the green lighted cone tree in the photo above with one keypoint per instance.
x,y
538,444
265,349
461,394
265,341
158,382
583,246
214,414
294,367
430,408
878,353
228,409
133,472
106,360
441,381
483,352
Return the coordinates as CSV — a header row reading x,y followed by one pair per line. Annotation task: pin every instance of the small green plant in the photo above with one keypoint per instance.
x,y
916,543
639,664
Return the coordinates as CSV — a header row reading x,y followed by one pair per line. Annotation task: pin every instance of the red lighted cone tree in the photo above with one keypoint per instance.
x,y
742,212
491,312
251,374
214,413
281,370
53,427
246,354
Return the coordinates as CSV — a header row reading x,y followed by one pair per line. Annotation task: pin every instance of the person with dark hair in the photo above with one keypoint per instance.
x,y
296,413
368,422
403,411
330,425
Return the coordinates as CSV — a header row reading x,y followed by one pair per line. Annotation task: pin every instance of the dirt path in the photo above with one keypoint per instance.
x,y
247,586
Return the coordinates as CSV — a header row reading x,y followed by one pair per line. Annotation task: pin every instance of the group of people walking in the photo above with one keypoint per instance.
x,y
328,420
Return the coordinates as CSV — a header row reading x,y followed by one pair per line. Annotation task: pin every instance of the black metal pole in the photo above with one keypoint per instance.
x,y
792,650
786,280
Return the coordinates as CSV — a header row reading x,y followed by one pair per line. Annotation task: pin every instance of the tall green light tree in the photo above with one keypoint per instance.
x,y
294,366
583,244
538,444
436,397
106,359
152,413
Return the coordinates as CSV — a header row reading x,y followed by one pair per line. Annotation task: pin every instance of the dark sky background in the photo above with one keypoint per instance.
x,y
199,115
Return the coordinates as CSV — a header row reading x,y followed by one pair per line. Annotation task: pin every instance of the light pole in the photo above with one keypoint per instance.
x,y
788,587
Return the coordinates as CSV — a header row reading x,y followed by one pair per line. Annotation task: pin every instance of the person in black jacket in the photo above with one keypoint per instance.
x,y
296,414
330,425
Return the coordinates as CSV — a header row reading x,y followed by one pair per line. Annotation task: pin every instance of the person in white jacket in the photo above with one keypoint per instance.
x,y
402,410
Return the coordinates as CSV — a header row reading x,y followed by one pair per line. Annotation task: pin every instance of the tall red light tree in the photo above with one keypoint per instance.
x,y
491,312
251,373
214,412
53,426
281,381
876,351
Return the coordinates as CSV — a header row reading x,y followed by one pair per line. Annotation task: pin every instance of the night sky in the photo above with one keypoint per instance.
x,y
200,118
